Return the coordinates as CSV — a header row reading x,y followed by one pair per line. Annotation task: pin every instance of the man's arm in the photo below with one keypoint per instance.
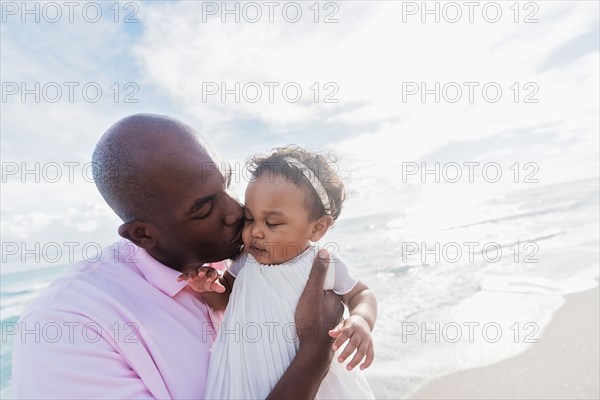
x,y
61,355
318,311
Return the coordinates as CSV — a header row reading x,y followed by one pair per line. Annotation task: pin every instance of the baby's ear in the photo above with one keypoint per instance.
x,y
320,227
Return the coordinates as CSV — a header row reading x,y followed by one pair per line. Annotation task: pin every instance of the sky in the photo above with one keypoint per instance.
x,y
392,88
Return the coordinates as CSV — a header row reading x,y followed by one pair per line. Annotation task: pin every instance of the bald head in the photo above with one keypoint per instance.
x,y
132,158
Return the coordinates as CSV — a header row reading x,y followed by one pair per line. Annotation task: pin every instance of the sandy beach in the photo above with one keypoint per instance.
x,y
564,364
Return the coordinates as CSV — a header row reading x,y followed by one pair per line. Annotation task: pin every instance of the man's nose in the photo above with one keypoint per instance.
x,y
234,212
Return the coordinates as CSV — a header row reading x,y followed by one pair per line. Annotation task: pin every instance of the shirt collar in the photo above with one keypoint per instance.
x,y
158,274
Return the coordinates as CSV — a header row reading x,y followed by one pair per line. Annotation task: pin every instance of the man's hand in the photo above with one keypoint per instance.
x,y
205,279
318,310
358,331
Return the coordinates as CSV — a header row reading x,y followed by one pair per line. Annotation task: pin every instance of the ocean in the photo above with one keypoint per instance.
x,y
456,289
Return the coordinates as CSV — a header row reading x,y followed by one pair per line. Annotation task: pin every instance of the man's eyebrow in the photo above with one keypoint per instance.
x,y
200,201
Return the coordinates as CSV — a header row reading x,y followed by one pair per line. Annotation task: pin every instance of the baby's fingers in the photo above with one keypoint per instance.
x,y
341,337
349,349
217,286
188,276
335,332
369,359
211,282
195,280
358,356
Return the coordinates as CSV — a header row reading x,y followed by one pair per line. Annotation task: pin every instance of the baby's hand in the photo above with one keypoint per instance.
x,y
358,331
205,279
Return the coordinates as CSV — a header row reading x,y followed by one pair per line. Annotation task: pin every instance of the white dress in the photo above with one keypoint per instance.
x,y
257,339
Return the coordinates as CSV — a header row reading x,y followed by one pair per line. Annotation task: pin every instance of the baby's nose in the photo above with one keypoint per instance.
x,y
256,231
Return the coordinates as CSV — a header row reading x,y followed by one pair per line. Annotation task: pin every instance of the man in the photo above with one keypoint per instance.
x,y
124,326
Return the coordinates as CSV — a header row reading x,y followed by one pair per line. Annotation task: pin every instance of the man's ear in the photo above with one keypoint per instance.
x,y
320,227
139,232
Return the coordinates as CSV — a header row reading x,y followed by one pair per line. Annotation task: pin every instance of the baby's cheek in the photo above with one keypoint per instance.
x,y
280,253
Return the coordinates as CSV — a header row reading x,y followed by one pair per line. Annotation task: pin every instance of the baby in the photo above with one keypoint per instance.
x,y
293,199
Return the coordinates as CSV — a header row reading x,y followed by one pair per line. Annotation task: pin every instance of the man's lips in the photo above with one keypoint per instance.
x,y
237,240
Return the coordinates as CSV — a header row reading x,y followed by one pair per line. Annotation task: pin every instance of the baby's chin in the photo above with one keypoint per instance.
x,y
263,258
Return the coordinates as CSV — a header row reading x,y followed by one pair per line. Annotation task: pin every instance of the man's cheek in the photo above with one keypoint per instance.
x,y
246,235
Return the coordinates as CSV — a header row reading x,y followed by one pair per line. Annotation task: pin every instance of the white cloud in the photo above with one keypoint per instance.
x,y
368,55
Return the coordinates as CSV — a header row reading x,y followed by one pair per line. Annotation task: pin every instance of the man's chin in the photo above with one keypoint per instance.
x,y
232,251
236,252
227,252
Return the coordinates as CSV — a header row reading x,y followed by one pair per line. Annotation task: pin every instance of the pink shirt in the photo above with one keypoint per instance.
x,y
119,327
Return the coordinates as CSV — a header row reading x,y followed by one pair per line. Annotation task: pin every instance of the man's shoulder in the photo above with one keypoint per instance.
x,y
85,286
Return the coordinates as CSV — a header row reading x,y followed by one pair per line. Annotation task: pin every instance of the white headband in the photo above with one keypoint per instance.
x,y
314,181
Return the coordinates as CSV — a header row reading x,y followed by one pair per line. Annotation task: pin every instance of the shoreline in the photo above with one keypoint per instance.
x,y
564,364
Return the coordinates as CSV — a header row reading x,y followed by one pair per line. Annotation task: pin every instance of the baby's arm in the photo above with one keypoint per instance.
x,y
215,289
357,327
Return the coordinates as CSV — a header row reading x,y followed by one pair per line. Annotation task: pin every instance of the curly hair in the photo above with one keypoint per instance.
x,y
323,166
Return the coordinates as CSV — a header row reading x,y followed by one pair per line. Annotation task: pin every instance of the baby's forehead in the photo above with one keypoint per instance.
x,y
274,190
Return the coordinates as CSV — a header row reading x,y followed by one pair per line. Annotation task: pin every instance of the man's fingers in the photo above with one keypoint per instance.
x,y
316,279
332,301
318,310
